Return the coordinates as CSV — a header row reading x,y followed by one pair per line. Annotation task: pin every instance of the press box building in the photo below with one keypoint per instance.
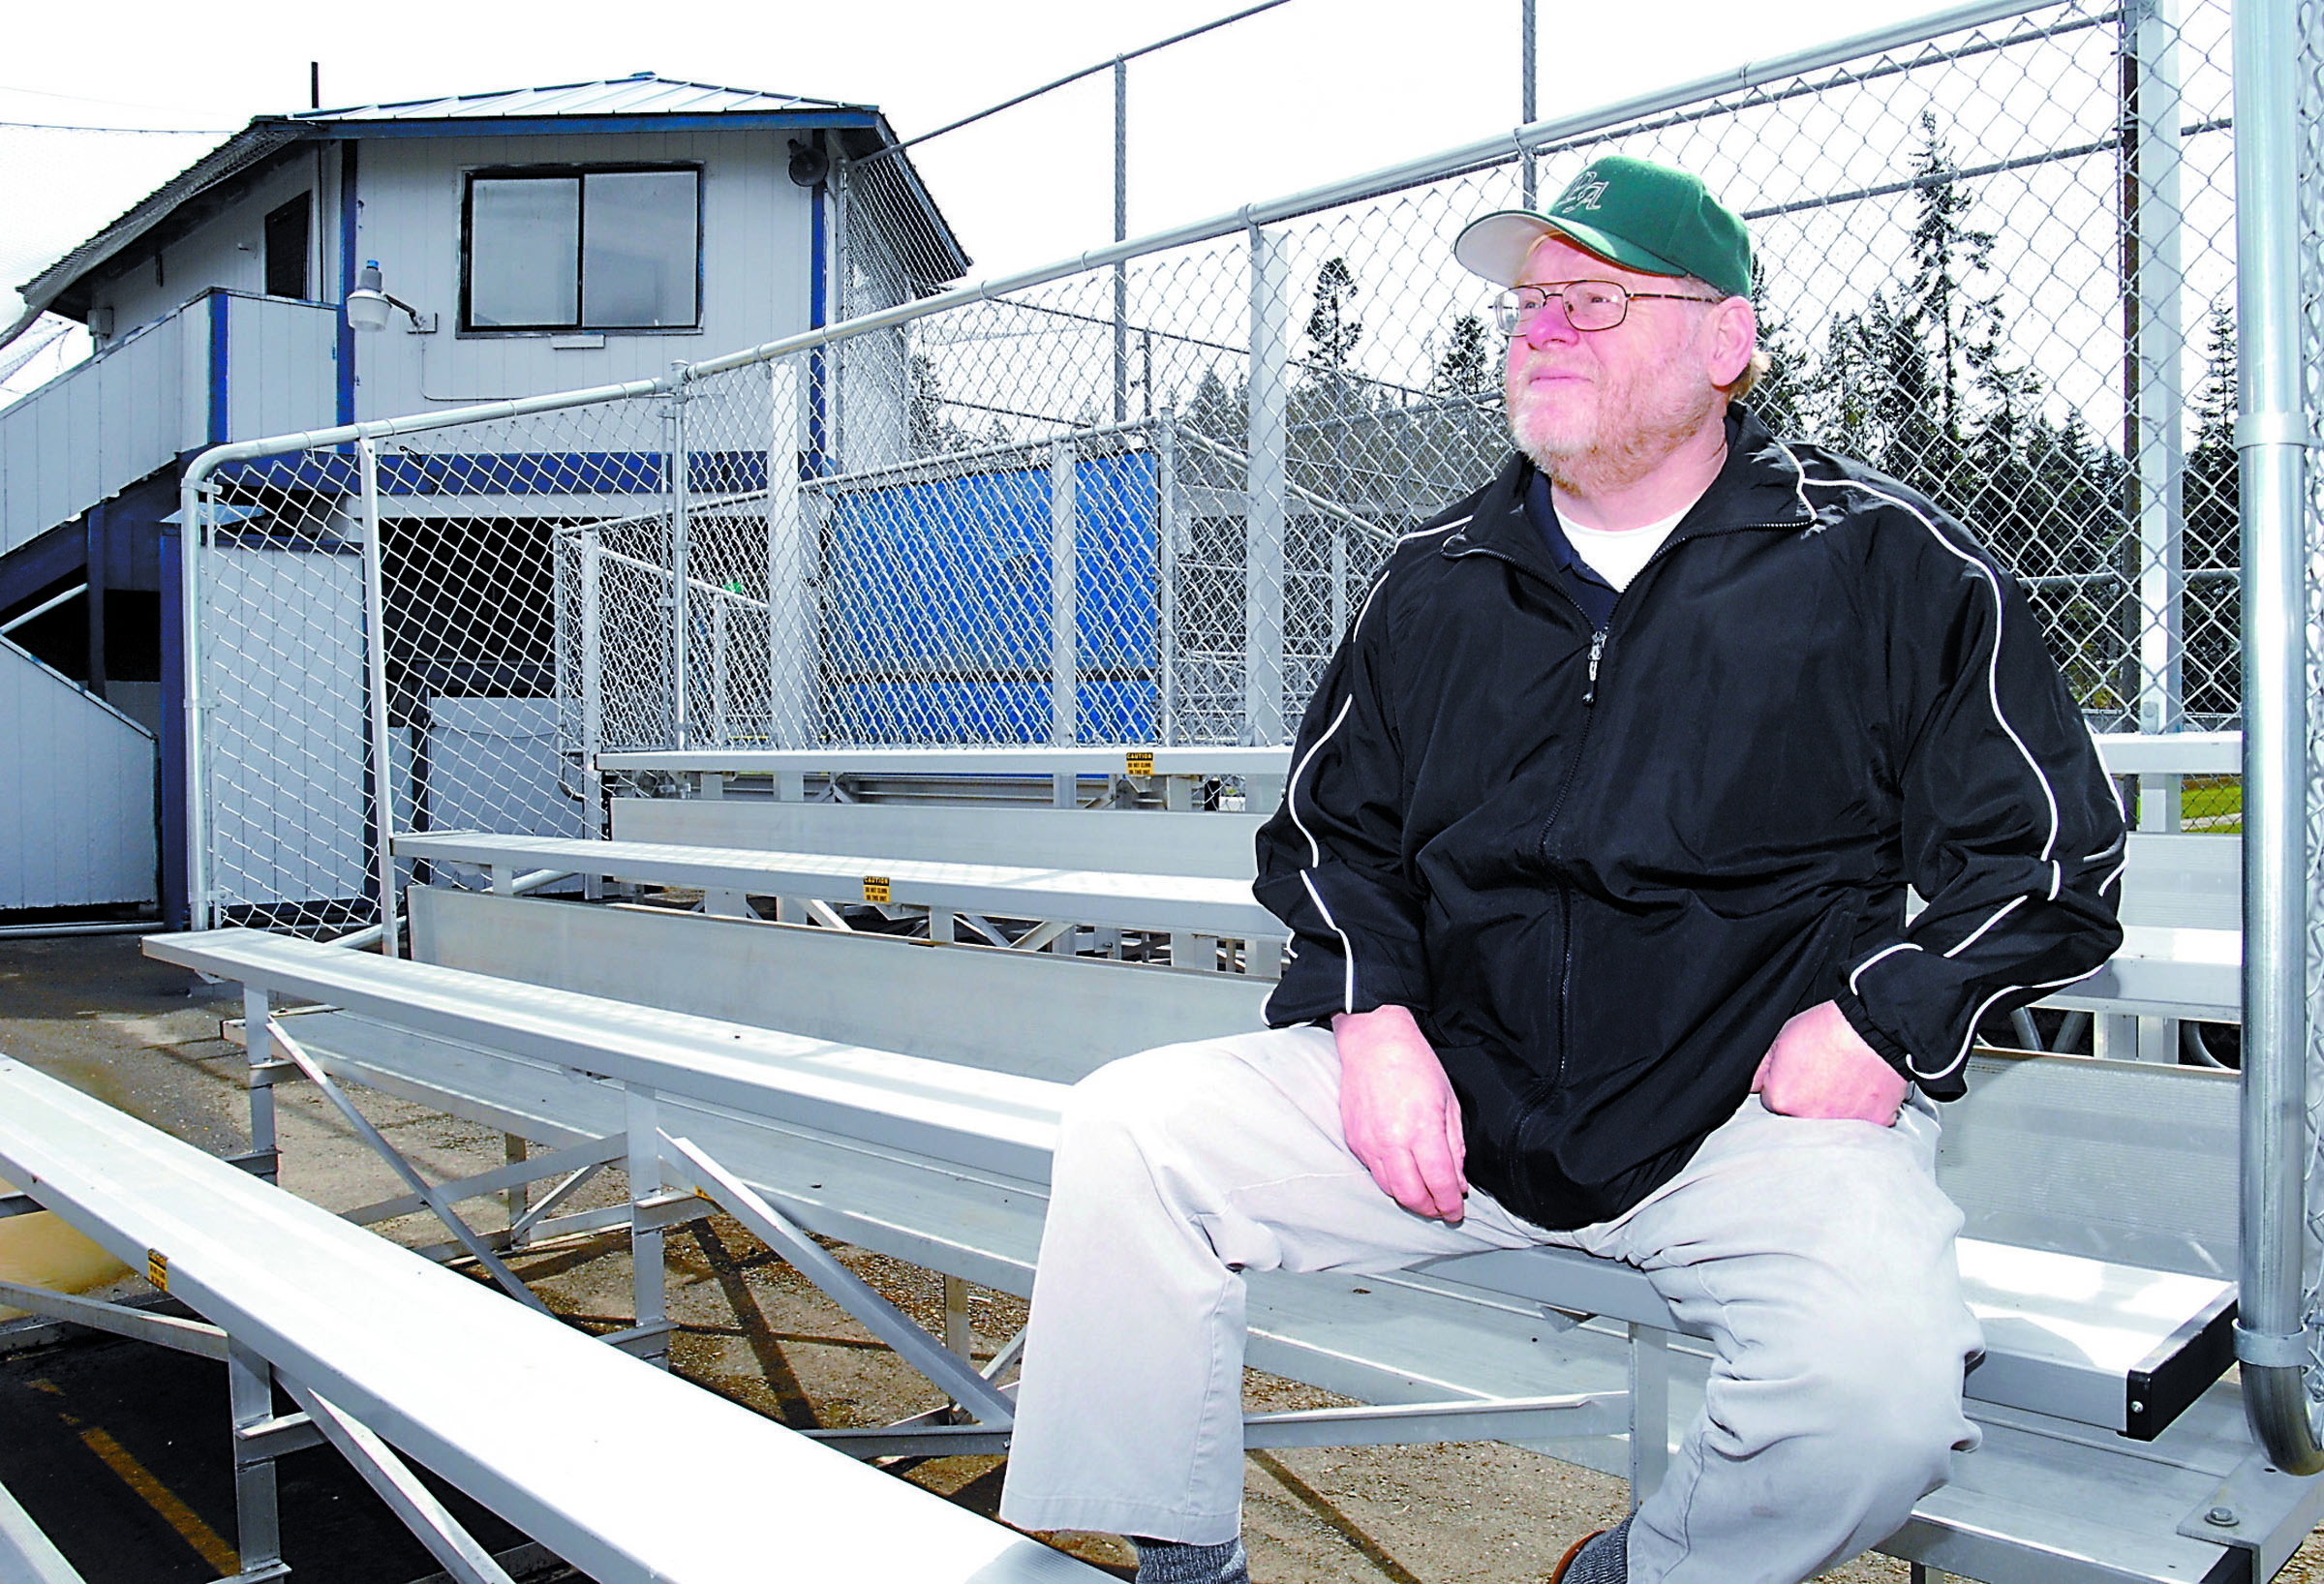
x,y
532,241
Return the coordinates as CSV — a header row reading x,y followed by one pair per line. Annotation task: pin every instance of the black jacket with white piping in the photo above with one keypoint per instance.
x,y
1603,867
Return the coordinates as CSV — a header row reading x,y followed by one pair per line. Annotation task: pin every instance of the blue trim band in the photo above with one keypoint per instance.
x,y
345,352
817,461
219,412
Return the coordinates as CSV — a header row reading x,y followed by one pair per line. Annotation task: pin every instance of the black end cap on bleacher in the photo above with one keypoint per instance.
x,y
2180,1370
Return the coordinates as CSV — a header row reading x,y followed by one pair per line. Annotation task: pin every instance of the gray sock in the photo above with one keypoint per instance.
x,y
1606,1560
1174,1561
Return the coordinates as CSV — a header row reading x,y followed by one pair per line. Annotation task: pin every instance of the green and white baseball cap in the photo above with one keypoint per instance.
x,y
1638,214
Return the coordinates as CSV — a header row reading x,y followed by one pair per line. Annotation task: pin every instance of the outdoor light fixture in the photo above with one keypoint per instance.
x,y
367,305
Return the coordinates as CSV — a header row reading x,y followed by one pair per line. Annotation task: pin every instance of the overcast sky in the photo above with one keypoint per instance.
x,y
1309,92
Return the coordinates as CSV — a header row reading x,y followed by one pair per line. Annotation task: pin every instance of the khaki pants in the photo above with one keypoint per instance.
x,y
1817,1254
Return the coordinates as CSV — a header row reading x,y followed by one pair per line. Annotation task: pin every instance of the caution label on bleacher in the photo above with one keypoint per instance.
x,y
1141,764
875,888
157,1268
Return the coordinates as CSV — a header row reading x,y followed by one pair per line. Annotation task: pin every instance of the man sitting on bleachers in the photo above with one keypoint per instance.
x,y
1596,848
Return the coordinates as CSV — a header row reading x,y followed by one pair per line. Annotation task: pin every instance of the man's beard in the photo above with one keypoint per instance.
x,y
1592,464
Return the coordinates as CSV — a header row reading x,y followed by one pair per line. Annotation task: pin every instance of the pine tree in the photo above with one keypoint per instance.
x,y
1790,394
1947,253
2212,493
1331,326
1467,366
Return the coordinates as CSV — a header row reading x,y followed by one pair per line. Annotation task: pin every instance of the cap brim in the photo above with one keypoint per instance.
x,y
1497,245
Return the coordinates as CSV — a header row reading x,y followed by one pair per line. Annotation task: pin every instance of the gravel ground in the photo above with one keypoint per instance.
x,y
146,1037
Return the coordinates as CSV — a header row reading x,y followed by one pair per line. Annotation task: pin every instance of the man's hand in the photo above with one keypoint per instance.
x,y
1819,1067
1399,1113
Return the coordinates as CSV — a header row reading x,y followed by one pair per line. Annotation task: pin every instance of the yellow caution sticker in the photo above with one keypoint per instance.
x,y
1141,764
875,888
157,1268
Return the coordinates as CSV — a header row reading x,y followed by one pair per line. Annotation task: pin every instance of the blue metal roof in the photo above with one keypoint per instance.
x,y
642,94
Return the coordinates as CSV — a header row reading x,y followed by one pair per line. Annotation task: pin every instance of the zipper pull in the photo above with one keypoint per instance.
x,y
1597,653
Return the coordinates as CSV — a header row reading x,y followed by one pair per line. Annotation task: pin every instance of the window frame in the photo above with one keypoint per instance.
x,y
578,174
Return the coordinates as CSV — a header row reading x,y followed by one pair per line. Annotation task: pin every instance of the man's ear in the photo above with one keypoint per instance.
x,y
1728,339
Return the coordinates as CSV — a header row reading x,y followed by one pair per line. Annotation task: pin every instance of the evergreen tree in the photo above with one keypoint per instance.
x,y
1787,397
930,430
1467,366
1331,326
1947,253
2212,675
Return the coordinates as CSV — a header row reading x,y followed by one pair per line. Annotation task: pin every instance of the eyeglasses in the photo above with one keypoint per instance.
x,y
1590,305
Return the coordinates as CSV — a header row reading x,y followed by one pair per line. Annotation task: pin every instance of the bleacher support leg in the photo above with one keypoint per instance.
x,y
429,1194
1649,1410
646,1277
257,1517
258,1047
958,1337
464,1559
512,1150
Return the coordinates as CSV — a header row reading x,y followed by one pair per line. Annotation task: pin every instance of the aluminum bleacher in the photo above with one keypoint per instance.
x,y
2106,1329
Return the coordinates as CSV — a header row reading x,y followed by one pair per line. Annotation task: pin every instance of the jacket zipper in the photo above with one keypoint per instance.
x,y
1531,1107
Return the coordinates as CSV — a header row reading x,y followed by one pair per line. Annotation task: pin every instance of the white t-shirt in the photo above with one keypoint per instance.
x,y
1617,556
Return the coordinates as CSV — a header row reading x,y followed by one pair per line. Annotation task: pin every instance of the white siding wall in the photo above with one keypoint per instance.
x,y
101,425
231,250
108,422
281,367
76,787
756,237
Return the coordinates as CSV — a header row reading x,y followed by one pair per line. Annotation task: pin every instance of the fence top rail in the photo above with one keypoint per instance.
x,y
1513,144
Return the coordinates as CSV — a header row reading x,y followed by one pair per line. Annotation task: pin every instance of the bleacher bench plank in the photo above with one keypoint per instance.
x,y
1100,898
1221,845
1075,759
621,1469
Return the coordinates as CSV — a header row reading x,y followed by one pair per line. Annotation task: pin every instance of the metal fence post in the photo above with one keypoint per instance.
x,y
681,603
1265,485
2273,1342
193,534
1122,231
1064,577
2157,414
1166,575
790,640
375,634
592,679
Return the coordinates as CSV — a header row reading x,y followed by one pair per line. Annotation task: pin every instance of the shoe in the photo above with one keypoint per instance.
x,y
1567,1561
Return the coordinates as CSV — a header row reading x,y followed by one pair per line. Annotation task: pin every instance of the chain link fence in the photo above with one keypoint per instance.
x,y
1138,502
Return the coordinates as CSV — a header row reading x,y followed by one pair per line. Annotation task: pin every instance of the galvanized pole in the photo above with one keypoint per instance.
x,y
192,516
790,638
1266,486
1526,103
2151,160
1121,233
593,682
375,644
1064,589
681,609
1166,568
2273,1342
